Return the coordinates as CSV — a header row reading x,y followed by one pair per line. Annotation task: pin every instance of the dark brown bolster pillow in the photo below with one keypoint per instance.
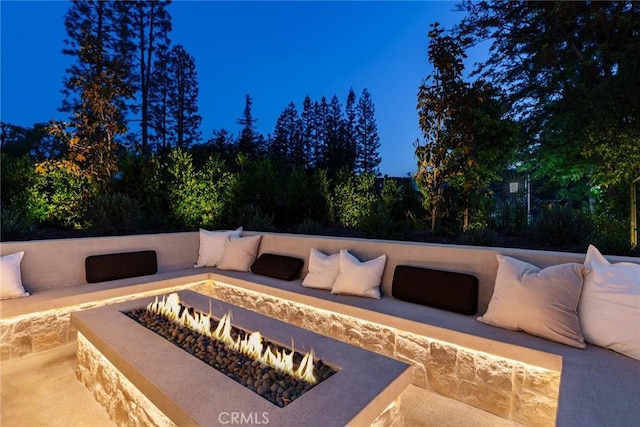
x,y
277,266
101,268
457,292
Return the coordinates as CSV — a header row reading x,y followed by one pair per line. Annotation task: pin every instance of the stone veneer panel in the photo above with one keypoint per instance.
x,y
124,403
44,330
508,388
392,416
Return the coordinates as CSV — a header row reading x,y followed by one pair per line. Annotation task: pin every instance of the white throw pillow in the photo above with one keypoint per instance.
x,y
541,302
10,277
609,309
212,244
323,270
240,253
359,278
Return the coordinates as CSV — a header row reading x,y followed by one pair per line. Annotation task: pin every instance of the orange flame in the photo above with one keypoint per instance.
x,y
251,345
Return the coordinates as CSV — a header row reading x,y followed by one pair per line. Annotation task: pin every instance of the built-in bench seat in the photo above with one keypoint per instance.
x,y
86,294
511,374
598,387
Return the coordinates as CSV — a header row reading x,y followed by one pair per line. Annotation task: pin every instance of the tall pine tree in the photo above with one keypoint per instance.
x,y
159,104
95,90
308,131
249,140
350,131
334,143
92,145
321,111
88,20
287,139
183,118
367,140
144,37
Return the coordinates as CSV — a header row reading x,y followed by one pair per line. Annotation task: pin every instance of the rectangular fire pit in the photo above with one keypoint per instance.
x,y
189,392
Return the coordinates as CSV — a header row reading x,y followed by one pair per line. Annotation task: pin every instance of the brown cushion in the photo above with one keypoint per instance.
x,y
101,268
277,266
457,292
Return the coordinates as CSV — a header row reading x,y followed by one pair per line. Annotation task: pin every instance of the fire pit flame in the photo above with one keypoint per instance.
x,y
251,345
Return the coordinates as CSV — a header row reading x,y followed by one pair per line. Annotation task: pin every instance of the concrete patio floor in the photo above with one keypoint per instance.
x,y
42,390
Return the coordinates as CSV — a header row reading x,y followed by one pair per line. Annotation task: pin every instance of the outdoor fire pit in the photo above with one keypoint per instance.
x,y
277,373
129,367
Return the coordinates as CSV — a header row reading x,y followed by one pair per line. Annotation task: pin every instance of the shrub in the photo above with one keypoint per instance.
x,y
253,218
400,199
612,236
64,193
299,204
142,180
258,185
197,198
354,198
309,226
510,215
380,225
319,195
308,197
114,212
563,227
14,224
479,237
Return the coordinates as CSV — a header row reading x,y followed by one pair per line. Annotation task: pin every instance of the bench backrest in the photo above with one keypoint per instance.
x,y
49,264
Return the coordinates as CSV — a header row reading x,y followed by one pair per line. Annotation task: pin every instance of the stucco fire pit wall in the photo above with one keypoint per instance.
x,y
187,391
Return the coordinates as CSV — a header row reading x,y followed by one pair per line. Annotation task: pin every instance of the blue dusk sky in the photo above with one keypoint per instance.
x,y
277,52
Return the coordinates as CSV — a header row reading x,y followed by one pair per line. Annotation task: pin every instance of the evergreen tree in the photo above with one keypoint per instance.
x,y
350,131
367,140
287,139
88,20
159,104
93,146
144,36
279,145
96,90
334,148
184,121
249,140
222,145
297,150
308,131
319,142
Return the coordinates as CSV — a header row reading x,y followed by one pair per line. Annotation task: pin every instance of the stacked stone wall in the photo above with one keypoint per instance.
x,y
44,330
129,407
125,404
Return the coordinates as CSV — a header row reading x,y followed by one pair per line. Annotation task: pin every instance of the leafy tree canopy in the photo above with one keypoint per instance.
x,y
572,74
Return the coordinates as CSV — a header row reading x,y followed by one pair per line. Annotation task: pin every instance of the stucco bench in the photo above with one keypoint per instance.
x,y
593,386
86,294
